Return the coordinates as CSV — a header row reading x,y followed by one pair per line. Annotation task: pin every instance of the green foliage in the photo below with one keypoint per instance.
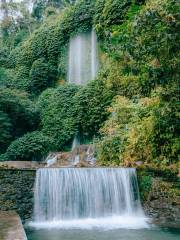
x,y
3,76
108,13
79,19
50,11
3,55
42,75
20,37
68,109
148,129
19,110
145,185
122,83
166,138
5,131
17,78
3,157
41,7
114,12
38,9
93,101
149,44
98,19
47,41
62,63
31,147
109,150
143,70
59,116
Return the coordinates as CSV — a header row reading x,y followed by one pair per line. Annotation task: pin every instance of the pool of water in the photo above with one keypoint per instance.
x,y
154,233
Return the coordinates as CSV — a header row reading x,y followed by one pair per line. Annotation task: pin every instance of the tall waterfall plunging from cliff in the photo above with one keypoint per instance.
x,y
87,197
82,59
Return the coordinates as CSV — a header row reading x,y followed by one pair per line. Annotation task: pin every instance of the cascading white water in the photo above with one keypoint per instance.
x,y
82,197
75,158
76,143
83,60
94,58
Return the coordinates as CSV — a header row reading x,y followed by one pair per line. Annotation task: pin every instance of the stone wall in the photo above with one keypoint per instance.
x,y
16,191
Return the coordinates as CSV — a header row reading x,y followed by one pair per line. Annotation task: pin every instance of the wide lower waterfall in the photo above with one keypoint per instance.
x,y
79,197
83,60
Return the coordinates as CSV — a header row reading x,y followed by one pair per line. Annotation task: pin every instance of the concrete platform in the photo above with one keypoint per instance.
x,y
11,227
20,165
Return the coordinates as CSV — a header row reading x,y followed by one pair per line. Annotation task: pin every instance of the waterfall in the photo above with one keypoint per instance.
x,y
76,143
75,158
94,61
83,61
83,197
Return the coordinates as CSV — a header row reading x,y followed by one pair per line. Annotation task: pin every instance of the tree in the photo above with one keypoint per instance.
x,y
16,23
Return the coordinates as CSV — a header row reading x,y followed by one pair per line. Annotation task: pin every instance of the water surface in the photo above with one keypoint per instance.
x,y
95,234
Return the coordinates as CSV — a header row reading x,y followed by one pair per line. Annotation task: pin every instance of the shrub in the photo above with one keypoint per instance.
x,y
3,76
20,111
3,55
46,42
109,151
115,11
59,114
109,13
147,128
42,75
69,109
3,157
5,131
145,185
17,78
93,101
31,147
22,78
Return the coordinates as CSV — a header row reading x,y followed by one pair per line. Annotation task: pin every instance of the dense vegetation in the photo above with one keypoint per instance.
x,y
131,107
